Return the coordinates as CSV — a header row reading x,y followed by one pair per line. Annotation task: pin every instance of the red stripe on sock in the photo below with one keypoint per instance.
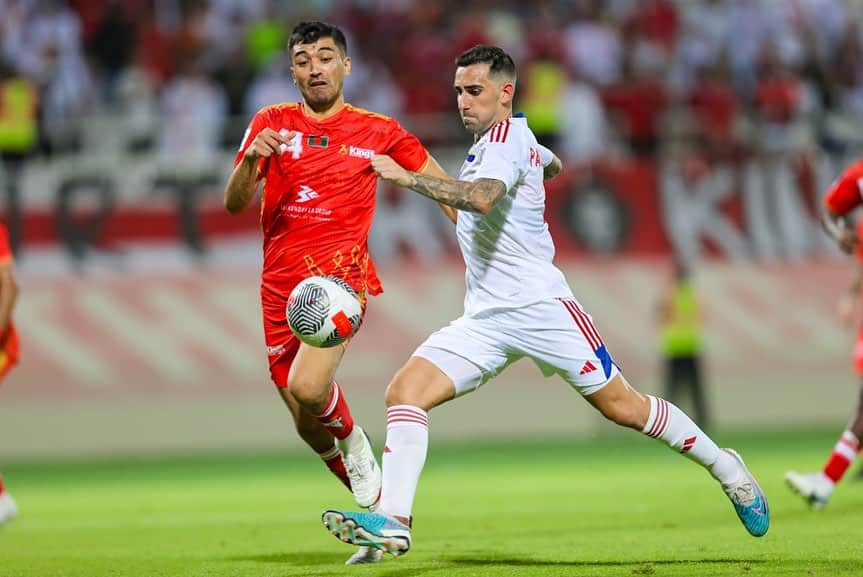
x,y
407,413
407,420
338,419
337,467
850,444
660,419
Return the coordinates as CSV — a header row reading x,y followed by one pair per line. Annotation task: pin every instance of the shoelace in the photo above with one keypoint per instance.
x,y
742,494
357,469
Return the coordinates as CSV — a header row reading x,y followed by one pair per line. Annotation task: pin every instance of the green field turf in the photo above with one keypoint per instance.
x,y
621,505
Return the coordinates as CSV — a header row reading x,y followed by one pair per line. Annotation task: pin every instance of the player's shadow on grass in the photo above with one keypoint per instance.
x,y
304,558
528,562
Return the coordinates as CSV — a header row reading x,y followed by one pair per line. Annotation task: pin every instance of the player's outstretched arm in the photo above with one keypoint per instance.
x,y
433,168
551,164
479,196
244,178
843,233
552,169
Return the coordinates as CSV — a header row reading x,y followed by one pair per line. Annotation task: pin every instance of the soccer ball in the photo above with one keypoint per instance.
x,y
324,311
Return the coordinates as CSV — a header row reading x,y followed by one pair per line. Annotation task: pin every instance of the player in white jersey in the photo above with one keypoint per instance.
x,y
517,305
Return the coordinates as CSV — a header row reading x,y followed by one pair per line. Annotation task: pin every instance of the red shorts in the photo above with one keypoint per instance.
x,y
282,344
9,349
282,347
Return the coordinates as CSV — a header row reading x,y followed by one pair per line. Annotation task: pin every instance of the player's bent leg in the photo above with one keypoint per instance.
x,y
749,501
310,384
417,386
316,436
658,418
311,376
620,403
420,383
369,530
815,488
8,508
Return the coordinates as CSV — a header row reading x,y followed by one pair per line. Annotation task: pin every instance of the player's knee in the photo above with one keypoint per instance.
x,y
308,393
400,392
405,390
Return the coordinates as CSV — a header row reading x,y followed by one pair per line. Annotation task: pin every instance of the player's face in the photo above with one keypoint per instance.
x,y
482,101
319,70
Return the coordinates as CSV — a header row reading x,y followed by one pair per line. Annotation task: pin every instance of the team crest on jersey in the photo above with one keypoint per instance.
x,y
471,157
318,141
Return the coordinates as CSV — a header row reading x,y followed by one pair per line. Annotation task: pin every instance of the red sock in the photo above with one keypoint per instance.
x,y
843,455
337,418
332,458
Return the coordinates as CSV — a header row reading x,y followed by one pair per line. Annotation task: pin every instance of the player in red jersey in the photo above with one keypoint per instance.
x,y
8,343
318,199
845,195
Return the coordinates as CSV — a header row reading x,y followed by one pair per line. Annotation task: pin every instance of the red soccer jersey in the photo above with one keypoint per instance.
x,y
9,336
846,193
319,194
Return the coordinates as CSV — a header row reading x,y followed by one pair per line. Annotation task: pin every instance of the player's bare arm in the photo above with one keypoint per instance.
x,y
433,168
843,233
244,179
552,169
8,294
479,196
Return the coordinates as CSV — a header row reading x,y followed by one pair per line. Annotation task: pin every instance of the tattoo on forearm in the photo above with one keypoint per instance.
x,y
469,196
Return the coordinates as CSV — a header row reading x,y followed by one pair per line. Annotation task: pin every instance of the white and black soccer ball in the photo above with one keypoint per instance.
x,y
324,311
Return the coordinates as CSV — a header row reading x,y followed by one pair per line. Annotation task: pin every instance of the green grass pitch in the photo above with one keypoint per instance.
x,y
618,505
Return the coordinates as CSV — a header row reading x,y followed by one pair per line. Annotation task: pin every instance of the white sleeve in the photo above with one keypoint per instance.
x,y
499,161
545,155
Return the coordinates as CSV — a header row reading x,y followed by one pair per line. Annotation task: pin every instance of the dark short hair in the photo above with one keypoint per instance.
x,y
308,32
499,62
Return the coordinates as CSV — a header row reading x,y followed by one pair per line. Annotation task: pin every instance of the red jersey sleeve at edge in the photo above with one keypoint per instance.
x,y
845,194
406,149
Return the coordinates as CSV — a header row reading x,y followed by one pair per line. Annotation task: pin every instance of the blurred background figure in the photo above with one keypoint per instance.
x,y
681,334
19,133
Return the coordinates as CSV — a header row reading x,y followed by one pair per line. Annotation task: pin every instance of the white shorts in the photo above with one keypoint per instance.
x,y
556,334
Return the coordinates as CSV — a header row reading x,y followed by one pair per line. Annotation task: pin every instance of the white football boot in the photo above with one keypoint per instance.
x,y
8,509
362,467
815,488
364,555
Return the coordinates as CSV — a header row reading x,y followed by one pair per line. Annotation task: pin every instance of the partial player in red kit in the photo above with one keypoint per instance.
x,y
8,344
318,200
844,196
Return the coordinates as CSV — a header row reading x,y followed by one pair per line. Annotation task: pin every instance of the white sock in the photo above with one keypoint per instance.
x,y
674,428
353,443
404,458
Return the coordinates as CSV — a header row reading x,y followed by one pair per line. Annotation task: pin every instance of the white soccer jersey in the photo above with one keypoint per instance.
x,y
508,253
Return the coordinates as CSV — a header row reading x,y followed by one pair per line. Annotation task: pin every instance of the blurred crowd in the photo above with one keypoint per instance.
x,y
597,77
